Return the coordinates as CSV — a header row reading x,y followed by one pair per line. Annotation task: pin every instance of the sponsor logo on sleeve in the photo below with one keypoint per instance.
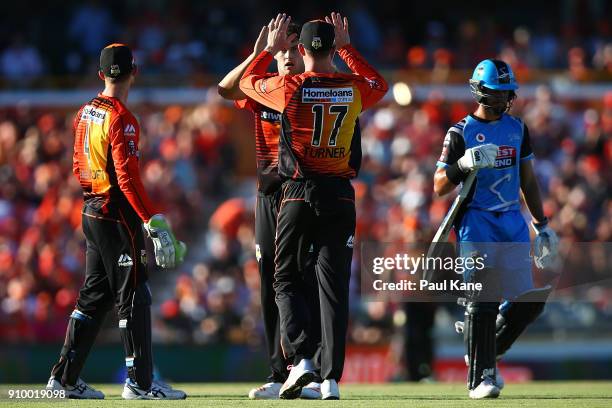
x,y
132,148
327,95
444,155
130,130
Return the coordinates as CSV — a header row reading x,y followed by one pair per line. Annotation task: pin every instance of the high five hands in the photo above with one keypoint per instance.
x,y
277,34
340,28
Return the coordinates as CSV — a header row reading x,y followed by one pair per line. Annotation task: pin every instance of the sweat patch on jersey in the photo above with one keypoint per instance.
x,y
327,95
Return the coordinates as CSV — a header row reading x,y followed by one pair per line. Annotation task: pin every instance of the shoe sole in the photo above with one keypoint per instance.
x,y
295,390
331,398
492,395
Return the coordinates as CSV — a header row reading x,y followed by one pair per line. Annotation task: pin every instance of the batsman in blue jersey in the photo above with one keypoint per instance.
x,y
496,145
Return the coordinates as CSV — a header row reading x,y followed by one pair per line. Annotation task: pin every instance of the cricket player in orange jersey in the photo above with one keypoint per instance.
x,y
319,110
115,209
267,131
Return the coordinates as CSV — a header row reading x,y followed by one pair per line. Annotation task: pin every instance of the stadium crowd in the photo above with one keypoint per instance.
x,y
189,37
195,158
190,167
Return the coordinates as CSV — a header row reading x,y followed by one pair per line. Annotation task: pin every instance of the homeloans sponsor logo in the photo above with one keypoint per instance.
x,y
93,114
329,95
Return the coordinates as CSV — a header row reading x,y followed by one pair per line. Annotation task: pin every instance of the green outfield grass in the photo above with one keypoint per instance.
x,y
536,394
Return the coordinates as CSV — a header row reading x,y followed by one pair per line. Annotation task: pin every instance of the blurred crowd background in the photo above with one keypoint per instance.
x,y
43,43
198,160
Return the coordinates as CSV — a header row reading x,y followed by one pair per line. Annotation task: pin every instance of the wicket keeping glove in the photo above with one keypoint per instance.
x,y
169,252
478,157
546,245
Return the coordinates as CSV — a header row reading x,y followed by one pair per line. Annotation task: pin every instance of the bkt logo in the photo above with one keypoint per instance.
x,y
506,157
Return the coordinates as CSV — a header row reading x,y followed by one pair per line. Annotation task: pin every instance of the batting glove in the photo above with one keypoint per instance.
x,y
169,252
546,245
478,157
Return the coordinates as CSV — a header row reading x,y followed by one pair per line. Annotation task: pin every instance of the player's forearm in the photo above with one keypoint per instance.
x,y
442,184
533,199
134,192
229,86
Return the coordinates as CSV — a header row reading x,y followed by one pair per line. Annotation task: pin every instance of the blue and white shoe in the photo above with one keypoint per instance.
x,y
159,390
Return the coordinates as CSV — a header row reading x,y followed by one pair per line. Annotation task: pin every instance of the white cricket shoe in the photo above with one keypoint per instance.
x,y
81,390
299,376
330,390
267,391
311,391
132,391
486,389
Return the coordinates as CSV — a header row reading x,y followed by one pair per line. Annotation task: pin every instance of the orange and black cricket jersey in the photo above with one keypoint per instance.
x,y
267,131
318,113
105,160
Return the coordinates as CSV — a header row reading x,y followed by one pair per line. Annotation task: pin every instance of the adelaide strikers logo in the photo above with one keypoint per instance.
x,y
480,138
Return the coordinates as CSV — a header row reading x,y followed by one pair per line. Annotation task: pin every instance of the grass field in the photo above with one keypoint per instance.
x,y
535,394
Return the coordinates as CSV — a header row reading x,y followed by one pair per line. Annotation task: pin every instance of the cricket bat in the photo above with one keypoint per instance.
x,y
447,223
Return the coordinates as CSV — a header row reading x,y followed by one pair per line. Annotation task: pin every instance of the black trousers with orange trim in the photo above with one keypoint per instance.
x,y
319,214
115,276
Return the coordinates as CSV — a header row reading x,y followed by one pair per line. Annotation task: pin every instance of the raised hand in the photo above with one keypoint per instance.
x,y
261,41
277,34
340,29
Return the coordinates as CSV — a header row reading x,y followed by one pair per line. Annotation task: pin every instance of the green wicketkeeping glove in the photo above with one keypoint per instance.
x,y
169,252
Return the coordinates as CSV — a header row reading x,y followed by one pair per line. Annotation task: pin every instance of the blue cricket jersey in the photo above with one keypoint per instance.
x,y
496,189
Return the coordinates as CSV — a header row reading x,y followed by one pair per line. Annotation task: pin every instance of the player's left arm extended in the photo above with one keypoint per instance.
x,y
268,91
531,191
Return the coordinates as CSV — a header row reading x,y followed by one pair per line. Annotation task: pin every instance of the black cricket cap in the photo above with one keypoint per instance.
x,y
318,36
116,60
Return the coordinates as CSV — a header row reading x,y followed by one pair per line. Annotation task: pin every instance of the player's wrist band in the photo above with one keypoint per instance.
x,y
542,223
455,174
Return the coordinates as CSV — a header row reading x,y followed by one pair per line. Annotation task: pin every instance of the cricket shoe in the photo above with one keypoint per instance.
x,y
311,391
486,389
499,380
132,391
170,392
267,391
330,390
299,376
81,390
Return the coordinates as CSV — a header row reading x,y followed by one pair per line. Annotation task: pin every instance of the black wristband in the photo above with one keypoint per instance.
x,y
542,223
455,174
